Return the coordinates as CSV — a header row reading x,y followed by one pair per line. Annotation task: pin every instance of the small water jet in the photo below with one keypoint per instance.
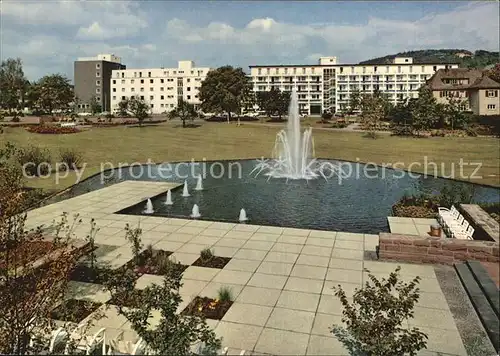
x,y
149,207
199,184
185,191
169,201
243,215
195,213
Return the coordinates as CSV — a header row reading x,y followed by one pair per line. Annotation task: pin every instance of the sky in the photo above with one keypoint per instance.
x,y
50,35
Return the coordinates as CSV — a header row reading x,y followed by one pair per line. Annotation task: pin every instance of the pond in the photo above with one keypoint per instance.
x,y
359,202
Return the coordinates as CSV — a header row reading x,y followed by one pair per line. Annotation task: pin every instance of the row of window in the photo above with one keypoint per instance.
x,y
151,81
453,94
280,70
153,89
491,106
165,73
151,97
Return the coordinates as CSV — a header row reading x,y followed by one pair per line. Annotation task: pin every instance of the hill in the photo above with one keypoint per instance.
x,y
465,58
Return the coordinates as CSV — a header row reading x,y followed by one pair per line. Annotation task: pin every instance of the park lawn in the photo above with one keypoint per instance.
x,y
211,141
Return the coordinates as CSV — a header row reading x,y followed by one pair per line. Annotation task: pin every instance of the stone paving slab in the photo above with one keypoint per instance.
x,y
410,226
282,279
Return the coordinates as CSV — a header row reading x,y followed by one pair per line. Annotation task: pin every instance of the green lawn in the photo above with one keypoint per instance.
x,y
169,142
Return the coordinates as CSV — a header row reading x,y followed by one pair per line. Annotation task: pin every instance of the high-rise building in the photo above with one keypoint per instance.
x,y
92,76
327,85
160,88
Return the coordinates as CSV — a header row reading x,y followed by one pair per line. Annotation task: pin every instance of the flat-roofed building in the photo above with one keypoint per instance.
x,y
160,88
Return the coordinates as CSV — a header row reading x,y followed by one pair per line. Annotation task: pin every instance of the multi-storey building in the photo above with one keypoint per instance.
x,y
471,88
328,85
161,88
91,79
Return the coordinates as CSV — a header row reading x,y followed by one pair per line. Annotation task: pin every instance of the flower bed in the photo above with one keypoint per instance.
x,y
412,211
207,307
214,262
26,252
52,130
74,310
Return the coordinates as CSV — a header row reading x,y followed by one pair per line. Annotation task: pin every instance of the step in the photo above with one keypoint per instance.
x,y
481,304
486,284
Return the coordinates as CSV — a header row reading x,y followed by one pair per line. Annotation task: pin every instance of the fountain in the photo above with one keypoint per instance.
x,y
185,192
293,151
195,213
169,201
243,215
199,184
149,207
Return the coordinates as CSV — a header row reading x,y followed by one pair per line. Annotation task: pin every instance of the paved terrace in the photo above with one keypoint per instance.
x,y
281,278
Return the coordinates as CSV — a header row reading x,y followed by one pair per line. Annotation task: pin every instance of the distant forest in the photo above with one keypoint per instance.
x,y
464,58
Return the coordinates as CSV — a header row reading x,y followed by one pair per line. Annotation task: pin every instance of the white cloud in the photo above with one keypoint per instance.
x,y
50,35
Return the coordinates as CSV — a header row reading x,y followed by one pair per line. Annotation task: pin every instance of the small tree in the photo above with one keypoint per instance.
x,y
376,317
95,107
52,92
372,112
354,101
133,235
184,111
223,90
424,110
123,108
13,85
139,109
454,113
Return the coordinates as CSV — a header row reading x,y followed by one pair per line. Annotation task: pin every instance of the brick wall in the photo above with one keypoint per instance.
x,y
420,249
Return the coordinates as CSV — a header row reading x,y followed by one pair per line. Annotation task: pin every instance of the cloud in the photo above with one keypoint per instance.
x,y
50,35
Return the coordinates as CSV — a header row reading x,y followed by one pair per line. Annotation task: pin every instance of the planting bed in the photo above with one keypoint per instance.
x,y
207,307
74,310
214,262
54,130
27,252
87,274
128,300
153,262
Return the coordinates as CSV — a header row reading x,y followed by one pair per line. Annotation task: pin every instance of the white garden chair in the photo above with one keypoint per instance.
x,y
58,338
118,346
447,214
465,235
87,343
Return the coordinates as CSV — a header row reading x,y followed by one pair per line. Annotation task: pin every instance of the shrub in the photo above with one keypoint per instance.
x,y
71,158
339,125
206,254
225,294
375,320
16,119
109,116
36,160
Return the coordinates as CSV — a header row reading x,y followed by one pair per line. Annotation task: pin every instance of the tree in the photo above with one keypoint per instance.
x,y
223,90
52,92
123,108
28,292
95,107
184,111
273,102
372,111
375,320
13,84
494,73
454,113
424,110
264,102
139,109
282,103
354,101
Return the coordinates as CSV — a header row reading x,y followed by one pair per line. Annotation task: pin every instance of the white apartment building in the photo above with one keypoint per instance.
x,y
327,85
161,88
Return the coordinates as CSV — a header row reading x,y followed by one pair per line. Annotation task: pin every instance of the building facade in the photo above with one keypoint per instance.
x,y
327,86
471,88
92,77
160,88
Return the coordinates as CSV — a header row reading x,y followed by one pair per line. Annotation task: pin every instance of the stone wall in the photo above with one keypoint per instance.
x,y
420,249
